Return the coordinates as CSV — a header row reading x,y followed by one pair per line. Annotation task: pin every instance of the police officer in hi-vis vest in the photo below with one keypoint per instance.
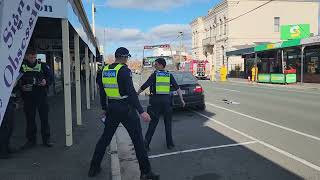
x,y
34,84
160,83
120,104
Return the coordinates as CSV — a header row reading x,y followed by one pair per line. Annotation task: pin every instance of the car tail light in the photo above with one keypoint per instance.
x,y
198,89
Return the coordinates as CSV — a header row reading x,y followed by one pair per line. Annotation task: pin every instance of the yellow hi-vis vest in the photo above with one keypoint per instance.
x,y
110,82
162,82
36,68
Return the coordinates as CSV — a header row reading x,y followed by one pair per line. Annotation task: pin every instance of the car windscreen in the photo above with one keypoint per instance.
x,y
184,78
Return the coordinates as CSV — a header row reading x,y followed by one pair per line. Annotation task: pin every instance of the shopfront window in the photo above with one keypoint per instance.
x,y
276,24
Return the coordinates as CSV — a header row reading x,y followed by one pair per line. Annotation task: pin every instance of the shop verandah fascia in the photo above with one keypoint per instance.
x,y
64,35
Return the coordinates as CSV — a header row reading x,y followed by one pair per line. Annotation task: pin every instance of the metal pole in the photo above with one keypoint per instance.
x,y
172,57
95,75
104,44
227,66
87,77
66,76
92,76
181,34
282,60
302,63
78,81
255,66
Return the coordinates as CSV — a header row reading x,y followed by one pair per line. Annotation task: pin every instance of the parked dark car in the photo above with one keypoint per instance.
x,y
193,93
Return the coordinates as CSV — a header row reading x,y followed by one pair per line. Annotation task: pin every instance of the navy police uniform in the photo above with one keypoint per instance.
x,y
6,128
122,111
159,104
35,97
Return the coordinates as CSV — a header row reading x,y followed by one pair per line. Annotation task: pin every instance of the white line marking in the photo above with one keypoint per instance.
x,y
232,90
303,161
201,149
266,122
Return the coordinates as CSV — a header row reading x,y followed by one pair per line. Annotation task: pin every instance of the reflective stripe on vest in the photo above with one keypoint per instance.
x,y
36,68
110,82
162,82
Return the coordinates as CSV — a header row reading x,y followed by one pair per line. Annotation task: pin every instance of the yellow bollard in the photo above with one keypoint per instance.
x,y
223,73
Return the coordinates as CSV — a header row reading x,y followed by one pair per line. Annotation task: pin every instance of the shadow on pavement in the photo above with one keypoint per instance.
x,y
59,162
191,132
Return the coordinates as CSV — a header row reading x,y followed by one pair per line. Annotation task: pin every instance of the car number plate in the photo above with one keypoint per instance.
x,y
176,93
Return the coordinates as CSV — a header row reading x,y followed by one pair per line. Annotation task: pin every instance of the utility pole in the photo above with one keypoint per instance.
x,y
104,45
181,37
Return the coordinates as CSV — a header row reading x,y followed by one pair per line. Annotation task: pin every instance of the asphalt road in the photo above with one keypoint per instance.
x,y
246,132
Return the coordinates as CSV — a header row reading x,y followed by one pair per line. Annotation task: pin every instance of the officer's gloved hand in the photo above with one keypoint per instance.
x,y
43,82
103,113
145,116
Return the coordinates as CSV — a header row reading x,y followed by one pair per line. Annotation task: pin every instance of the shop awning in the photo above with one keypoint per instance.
x,y
279,45
240,52
311,41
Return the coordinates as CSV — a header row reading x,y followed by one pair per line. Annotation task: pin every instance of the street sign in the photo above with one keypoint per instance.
x,y
297,31
157,46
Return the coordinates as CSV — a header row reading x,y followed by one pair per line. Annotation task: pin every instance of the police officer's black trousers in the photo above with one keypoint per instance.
x,y
30,107
160,106
6,128
120,112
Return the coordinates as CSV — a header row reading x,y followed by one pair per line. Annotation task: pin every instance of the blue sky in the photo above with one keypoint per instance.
x,y
134,23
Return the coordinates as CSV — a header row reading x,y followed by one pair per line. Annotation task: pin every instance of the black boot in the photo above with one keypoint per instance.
x,y
94,171
4,154
12,150
170,147
28,145
47,143
150,176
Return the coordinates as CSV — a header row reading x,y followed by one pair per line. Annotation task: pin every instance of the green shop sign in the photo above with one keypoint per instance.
x,y
265,78
291,78
284,44
278,78
297,31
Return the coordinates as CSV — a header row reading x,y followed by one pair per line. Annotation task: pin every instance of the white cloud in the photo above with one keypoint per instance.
x,y
169,31
148,4
135,39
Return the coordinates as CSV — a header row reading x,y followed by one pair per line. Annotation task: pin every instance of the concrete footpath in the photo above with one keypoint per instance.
x,y
127,156
59,162
298,86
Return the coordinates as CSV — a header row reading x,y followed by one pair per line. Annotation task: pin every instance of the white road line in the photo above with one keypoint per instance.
x,y
271,88
303,161
201,149
267,122
232,90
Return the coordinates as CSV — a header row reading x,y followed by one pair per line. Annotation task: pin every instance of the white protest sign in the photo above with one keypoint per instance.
x,y
54,9
17,21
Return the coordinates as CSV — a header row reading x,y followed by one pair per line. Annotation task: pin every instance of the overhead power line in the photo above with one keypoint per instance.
x,y
254,9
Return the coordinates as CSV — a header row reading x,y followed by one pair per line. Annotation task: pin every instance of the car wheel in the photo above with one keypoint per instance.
x,y
202,107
